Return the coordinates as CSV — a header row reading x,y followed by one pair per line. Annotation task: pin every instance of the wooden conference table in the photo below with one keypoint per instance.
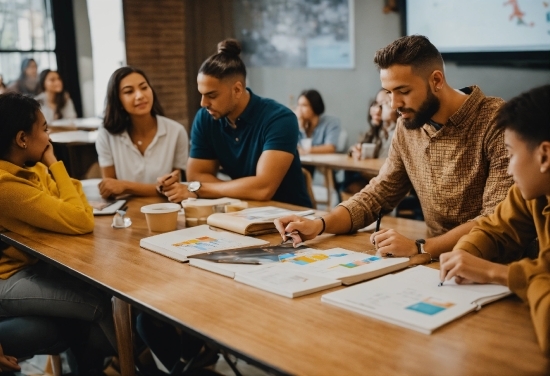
x,y
285,336
330,162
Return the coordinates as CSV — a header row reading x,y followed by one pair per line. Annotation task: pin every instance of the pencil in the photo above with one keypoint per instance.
x,y
378,221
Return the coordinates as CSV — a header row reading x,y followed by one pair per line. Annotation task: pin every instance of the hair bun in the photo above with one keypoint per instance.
x,y
229,47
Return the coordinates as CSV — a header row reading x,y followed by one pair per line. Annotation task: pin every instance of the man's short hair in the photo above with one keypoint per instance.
x,y
527,115
414,50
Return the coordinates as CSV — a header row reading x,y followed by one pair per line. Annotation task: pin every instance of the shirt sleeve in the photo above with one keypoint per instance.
x,y
201,148
282,133
384,191
333,130
504,235
498,181
103,148
68,111
530,280
61,207
182,150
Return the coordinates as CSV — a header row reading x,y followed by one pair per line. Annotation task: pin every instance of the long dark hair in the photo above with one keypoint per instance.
x,y
60,99
116,118
21,87
17,113
225,63
315,101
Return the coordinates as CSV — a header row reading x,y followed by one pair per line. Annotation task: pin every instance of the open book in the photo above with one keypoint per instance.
x,y
254,221
305,271
414,300
200,239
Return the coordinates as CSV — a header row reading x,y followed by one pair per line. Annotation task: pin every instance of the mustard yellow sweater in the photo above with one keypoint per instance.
x,y
503,237
31,199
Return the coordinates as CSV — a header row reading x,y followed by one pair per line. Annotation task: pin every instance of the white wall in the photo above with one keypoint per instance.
x,y
84,57
347,92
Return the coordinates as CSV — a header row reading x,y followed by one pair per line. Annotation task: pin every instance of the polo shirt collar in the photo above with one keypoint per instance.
x,y
26,173
247,117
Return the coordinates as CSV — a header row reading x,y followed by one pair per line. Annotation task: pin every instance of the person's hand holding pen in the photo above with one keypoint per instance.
x,y
389,242
467,268
298,228
169,185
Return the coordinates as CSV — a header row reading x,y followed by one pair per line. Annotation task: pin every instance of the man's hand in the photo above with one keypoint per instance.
x,y
389,241
111,187
176,192
465,267
8,363
301,229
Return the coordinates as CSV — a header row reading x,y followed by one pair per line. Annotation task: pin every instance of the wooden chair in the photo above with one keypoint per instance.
x,y
309,186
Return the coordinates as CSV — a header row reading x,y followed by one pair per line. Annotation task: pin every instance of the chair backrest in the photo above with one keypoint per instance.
x,y
309,186
342,142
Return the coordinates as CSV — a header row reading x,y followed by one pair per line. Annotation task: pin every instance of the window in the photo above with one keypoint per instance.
x,y
26,31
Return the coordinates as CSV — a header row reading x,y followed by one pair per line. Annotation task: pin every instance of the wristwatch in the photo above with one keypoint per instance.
x,y
194,186
420,246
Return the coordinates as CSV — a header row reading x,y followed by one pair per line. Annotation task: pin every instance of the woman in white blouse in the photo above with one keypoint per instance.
x,y
55,102
136,143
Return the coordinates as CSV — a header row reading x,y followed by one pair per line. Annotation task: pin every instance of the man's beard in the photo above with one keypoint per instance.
x,y
427,109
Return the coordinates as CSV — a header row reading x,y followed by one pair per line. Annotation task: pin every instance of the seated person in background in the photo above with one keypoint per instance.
x,y
323,130
252,138
523,216
55,102
445,146
137,144
38,194
27,83
382,119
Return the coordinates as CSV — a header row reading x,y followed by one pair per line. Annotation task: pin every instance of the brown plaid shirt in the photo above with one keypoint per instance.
x,y
458,172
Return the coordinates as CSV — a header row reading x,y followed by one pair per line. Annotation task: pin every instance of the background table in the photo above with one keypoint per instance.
x,y
327,163
296,336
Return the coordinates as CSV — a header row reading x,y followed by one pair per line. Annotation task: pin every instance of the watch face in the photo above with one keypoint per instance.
x,y
193,186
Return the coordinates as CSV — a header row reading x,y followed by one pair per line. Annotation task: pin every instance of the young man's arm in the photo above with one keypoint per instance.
x,y
270,171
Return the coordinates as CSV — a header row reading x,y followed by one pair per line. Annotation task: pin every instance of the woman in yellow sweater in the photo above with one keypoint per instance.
x,y
37,193
524,215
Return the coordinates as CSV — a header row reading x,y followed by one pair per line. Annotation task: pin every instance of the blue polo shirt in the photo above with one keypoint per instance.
x,y
263,125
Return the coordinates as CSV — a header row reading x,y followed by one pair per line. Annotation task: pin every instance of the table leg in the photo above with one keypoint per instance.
x,y
123,319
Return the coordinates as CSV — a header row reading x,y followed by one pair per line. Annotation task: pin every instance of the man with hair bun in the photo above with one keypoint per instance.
x,y
445,146
254,140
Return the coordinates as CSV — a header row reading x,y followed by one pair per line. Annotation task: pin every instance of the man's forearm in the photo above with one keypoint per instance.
x,y
338,221
445,243
248,188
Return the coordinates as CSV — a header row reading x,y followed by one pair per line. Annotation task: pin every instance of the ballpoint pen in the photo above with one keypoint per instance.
x,y
378,220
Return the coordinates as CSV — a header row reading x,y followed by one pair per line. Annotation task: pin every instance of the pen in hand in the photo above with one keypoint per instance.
x,y
378,220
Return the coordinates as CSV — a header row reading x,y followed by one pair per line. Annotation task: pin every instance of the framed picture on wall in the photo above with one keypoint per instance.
x,y
296,33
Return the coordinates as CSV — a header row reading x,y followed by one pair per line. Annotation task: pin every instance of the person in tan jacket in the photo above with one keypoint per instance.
x,y
523,216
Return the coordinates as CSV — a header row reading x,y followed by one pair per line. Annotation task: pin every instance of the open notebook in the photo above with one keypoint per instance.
x,y
414,300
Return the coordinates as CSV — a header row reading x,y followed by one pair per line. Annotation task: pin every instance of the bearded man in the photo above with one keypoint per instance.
x,y
445,146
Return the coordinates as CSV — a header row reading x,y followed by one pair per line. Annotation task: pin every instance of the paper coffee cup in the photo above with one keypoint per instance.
x,y
367,150
161,217
305,144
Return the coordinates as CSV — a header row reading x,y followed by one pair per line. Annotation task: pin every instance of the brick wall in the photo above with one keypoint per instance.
x,y
155,43
169,39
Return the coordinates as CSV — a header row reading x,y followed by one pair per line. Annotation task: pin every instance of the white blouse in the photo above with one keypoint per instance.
x,y
168,151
